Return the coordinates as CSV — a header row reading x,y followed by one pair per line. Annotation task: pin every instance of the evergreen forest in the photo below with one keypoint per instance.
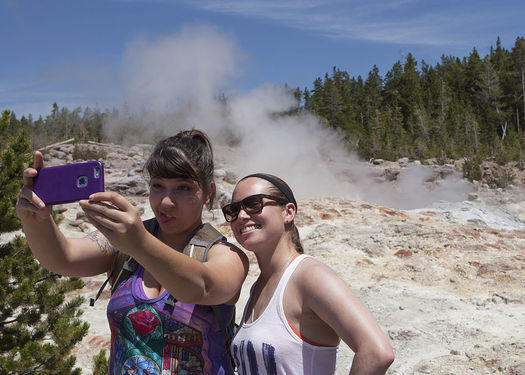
x,y
460,108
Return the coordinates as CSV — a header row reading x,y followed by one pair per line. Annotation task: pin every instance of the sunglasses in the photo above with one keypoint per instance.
x,y
251,205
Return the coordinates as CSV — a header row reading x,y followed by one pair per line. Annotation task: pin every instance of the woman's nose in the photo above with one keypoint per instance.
x,y
167,200
243,214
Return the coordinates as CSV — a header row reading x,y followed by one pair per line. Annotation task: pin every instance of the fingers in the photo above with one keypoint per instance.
x,y
26,205
116,199
102,209
38,161
101,228
31,173
28,175
28,195
101,221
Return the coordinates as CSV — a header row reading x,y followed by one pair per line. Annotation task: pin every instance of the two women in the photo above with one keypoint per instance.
x,y
160,318
299,308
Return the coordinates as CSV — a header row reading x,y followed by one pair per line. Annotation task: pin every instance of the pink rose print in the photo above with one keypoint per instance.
x,y
144,322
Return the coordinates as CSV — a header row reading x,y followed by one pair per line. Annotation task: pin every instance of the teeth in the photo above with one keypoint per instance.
x,y
249,228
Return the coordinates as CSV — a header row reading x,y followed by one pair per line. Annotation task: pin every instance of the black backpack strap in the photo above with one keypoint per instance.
x,y
151,225
123,265
93,300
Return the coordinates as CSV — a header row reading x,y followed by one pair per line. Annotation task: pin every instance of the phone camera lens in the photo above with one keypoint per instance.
x,y
82,181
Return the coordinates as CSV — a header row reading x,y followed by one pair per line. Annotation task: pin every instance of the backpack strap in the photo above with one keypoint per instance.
x,y
201,240
197,246
123,265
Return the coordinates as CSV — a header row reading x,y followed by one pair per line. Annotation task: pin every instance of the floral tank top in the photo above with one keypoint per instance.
x,y
160,336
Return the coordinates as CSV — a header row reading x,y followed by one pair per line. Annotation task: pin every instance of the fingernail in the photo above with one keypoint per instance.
x,y
41,204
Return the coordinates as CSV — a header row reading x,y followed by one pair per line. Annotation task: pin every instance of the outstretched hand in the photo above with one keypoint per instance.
x,y
117,219
29,205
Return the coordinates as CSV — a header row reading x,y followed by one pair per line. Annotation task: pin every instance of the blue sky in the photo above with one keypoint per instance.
x,y
77,53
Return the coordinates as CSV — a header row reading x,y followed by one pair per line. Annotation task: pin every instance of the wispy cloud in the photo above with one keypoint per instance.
x,y
403,21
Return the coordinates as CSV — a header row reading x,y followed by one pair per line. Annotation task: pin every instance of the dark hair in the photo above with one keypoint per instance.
x,y
188,154
281,189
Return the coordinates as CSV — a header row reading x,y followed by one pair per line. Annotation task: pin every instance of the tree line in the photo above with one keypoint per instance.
x,y
472,107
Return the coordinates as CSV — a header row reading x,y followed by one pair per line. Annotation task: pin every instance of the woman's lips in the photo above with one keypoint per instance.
x,y
163,218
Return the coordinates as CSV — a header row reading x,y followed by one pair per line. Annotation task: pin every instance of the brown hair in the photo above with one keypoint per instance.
x,y
281,189
188,154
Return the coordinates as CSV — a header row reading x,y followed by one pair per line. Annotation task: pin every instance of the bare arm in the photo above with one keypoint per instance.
x,y
332,300
65,256
216,281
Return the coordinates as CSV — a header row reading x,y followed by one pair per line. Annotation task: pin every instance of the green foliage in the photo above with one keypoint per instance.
x,y
472,168
38,326
100,363
452,110
83,125
14,157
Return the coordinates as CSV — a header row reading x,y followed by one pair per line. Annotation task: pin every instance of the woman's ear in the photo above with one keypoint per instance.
x,y
289,213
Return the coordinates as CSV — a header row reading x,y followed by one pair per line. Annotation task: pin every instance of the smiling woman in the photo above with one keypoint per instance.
x,y
163,316
307,308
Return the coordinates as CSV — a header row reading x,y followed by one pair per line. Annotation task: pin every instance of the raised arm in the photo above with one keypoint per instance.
x,y
332,300
87,256
216,281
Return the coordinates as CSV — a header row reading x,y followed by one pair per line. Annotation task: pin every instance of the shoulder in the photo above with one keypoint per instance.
x,y
226,249
311,267
315,280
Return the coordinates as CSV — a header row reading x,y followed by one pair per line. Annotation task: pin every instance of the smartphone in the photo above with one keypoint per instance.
x,y
69,183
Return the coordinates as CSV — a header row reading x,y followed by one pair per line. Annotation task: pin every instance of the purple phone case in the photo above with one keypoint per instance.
x,y
69,183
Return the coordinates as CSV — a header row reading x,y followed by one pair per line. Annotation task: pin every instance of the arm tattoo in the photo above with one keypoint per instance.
x,y
102,242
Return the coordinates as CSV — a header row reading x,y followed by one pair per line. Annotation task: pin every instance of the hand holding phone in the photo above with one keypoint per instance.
x,y
69,183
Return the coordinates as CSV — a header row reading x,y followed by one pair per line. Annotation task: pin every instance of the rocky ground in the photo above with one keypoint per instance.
x,y
446,282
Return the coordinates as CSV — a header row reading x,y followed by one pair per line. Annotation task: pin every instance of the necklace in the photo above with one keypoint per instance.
x,y
286,262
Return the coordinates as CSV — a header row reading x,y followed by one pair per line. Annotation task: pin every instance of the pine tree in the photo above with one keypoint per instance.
x,y
38,326
13,158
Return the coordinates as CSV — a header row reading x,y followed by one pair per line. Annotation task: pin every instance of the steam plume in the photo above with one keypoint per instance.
x,y
175,81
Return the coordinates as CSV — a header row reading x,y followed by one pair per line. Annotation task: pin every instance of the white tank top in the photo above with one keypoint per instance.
x,y
270,346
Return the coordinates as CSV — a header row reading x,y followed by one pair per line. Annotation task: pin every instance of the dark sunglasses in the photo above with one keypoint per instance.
x,y
251,205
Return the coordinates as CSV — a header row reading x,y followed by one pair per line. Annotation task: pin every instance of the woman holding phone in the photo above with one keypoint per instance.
x,y
298,309
160,318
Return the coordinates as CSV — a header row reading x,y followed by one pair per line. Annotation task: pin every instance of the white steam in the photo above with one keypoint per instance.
x,y
186,69
173,82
